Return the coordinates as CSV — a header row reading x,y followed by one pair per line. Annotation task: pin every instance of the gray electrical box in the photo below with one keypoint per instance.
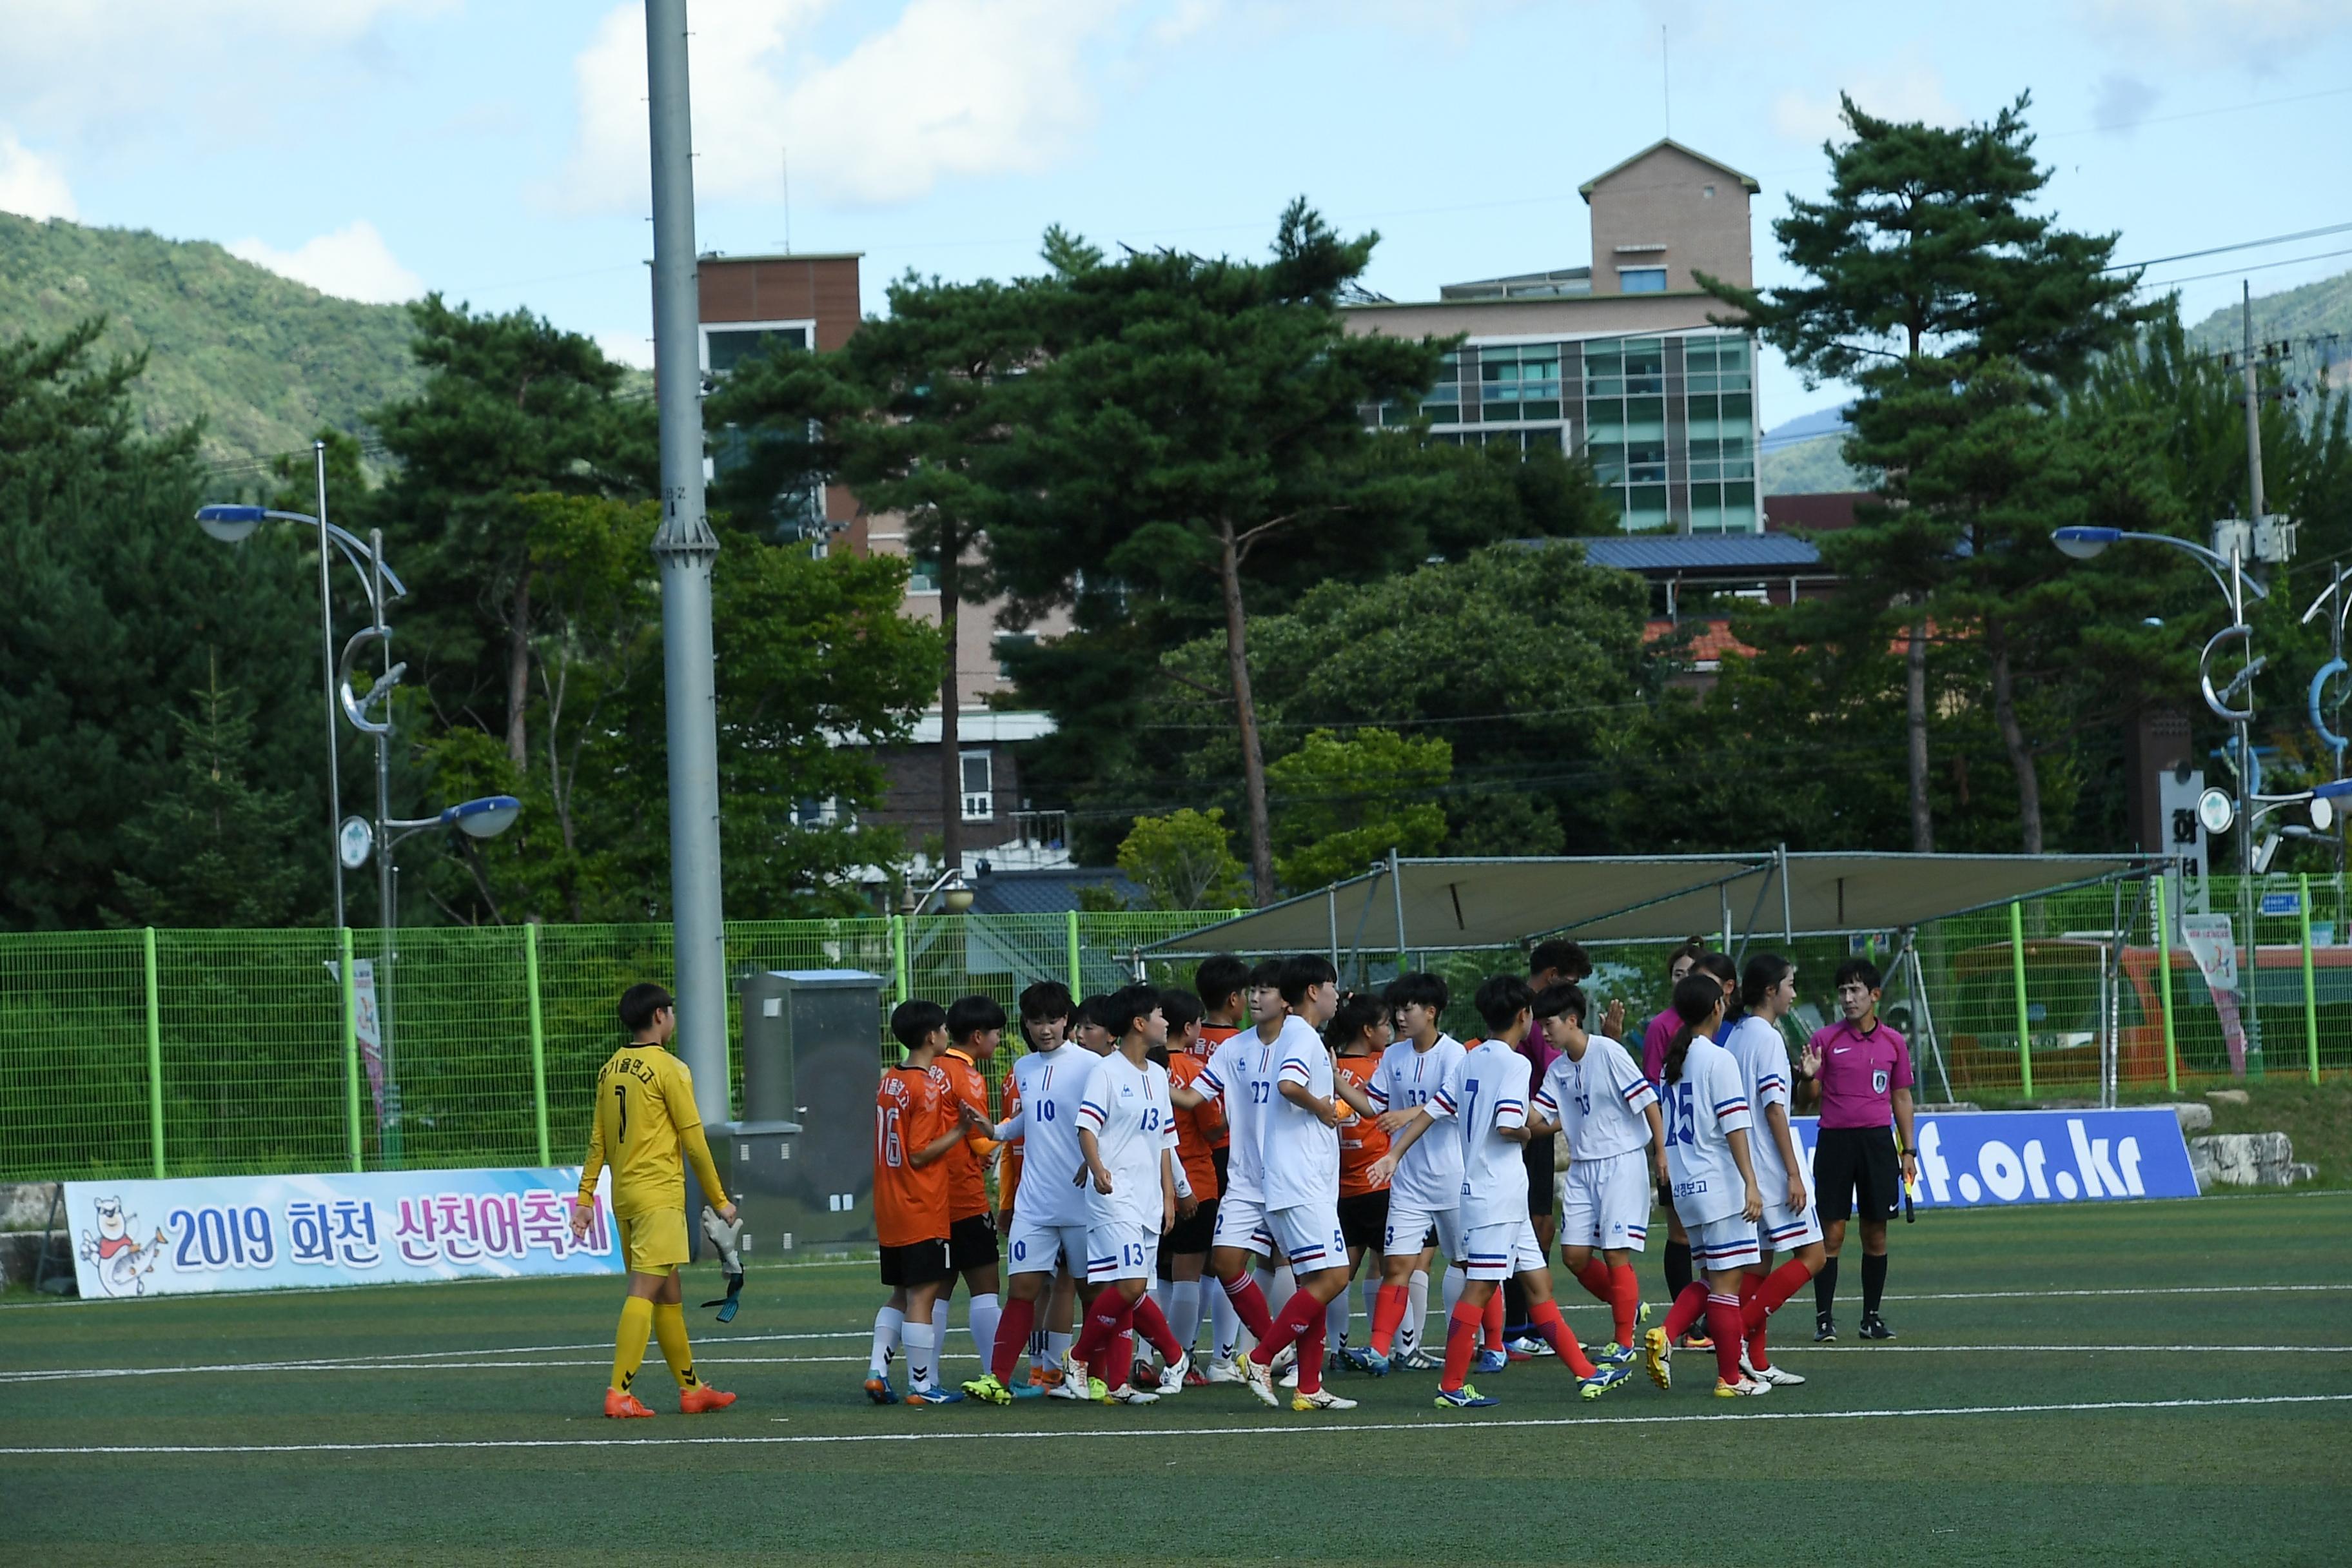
x,y
803,1156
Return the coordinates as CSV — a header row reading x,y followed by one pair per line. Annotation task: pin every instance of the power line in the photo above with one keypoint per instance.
x,y
2241,245
2234,271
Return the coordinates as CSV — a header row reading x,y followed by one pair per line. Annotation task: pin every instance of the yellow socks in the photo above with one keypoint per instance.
x,y
629,1343
670,1326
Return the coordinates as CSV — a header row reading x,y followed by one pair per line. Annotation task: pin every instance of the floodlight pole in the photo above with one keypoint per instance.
x,y
327,658
685,548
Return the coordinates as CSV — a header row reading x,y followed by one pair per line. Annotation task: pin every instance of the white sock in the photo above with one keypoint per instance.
x,y
1056,1347
1265,1288
1337,1313
889,1324
1285,1285
1183,1310
940,1326
1372,1298
920,1347
985,1311
1452,1289
1224,1324
1417,1310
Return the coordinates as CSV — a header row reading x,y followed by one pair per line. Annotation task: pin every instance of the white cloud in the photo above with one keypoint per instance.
x,y
31,186
352,263
2122,102
2263,33
950,87
1909,90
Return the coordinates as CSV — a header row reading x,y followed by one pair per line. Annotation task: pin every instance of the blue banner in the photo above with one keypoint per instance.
x,y
263,1233
1986,1159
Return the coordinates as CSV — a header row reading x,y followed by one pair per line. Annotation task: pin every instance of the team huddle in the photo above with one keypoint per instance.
x,y
1262,1139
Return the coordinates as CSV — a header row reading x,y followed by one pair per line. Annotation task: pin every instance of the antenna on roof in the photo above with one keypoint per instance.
x,y
1665,82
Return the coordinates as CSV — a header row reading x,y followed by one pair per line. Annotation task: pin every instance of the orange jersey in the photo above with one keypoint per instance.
x,y
1199,1130
967,1163
1212,1036
1362,1141
912,1110
1008,1170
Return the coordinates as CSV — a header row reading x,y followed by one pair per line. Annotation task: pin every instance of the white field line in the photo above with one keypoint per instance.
x,y
1453,1426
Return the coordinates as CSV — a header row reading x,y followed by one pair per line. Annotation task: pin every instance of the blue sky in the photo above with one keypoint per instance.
x,y
496,150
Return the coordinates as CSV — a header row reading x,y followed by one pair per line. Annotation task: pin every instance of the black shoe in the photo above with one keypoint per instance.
x,y
1873,1327
1824,1329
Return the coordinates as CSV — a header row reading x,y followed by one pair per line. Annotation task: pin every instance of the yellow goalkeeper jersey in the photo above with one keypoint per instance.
x,y
647,1128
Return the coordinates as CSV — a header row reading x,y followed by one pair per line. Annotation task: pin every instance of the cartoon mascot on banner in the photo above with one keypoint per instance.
x,y
122,1264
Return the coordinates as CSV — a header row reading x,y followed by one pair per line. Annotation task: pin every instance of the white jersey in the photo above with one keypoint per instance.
x,y
1763,1057
1429,1177
1133,1123
1240,1077
1054,1085
1484,1094
1299,1157
1704,1108
1598,1100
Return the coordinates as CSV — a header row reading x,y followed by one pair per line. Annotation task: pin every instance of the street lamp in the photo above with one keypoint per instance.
x,y
953,891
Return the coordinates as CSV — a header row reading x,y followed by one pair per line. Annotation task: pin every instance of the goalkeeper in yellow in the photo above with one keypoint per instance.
x,y
646,1127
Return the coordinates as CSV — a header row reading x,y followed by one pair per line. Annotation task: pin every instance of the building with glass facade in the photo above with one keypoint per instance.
x,y
1616,363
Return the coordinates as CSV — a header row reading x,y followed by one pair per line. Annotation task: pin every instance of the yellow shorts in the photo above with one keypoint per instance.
x,y
653,1241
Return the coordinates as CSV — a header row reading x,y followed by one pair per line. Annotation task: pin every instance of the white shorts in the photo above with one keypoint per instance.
x,y
1410,1225
1241,1222
1784,1229
1310,1235
1034,1248
1121,1251
1721,1243
1499,1251
1605,1204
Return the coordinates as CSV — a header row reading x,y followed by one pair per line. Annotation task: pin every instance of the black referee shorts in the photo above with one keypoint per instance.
x,y
1188,1236
1855,1168
1541,1182
1364,1220
971,1243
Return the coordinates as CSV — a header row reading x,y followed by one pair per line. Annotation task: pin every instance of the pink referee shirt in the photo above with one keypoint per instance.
x,y
1859,1073
1655,1041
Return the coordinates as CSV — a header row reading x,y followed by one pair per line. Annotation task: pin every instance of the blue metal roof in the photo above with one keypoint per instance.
x,y
1051,892
1702,553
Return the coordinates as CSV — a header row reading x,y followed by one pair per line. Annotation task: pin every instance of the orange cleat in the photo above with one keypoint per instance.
x,y
1046,1376
702,1398
620,1406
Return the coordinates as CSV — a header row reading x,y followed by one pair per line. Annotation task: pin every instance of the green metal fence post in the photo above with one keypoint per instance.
x,y
2025,1021
2164,990
538,1038
2310,986
898,955
1077,968
351,1049
154,1055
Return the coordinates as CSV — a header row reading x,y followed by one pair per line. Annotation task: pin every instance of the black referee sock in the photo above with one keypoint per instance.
x,y
1678,1269
1515,1308
1825,1285
1873,1283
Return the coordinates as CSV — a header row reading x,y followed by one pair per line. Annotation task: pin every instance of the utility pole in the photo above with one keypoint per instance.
x,y
2250,976
2254,420
686,549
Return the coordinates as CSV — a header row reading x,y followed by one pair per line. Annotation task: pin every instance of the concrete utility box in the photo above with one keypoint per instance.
x,y
803,1156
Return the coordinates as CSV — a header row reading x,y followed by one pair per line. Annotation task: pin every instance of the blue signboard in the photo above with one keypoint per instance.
x,y
1988,1158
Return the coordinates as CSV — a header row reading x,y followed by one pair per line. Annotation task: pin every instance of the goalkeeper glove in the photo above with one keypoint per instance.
x,y
727,1236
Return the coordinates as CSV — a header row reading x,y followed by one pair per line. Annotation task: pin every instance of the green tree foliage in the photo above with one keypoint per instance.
x,y
1342,804
1185,860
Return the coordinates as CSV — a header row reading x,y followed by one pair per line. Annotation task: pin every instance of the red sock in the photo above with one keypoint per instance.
x,y
1624,1301
1723,1327
1493,1330
1297,1313
1122,1359
1153,1324
1249,1304
1688,1309
1544,1316
1387,1314
1777,1287
1748,1285
1310,1355
1594,1277
1103,1317
1461,1341
1011,1337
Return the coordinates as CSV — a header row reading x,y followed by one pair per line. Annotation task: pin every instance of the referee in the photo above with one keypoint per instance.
x,y
1858,1071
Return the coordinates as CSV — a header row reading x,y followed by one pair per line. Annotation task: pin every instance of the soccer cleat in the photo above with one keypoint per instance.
x,y
1490,1360
988,1391
1873,1327
1418,1360
1286,1358
1080,1390
1824,1329
1195,1377
1143,1374
1290,1379
1746,1388
878,1390
1641,1312
1224,1372
623,1406
1778,1377
1177,1377
1321,1399
934,1397
1072,1370
1128,1394
1045,1376
1374,1364
1614,1354
1260,1379
1694,1340
702,1397
1027,1391
1603,1380
1464,1398
1526,1347
1658,1353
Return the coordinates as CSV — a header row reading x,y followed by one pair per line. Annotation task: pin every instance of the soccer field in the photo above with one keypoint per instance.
x,y
2085,1383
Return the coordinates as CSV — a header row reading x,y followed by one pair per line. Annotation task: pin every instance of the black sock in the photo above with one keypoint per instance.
x,y
1515,1308
1825,1287
1678,1269
1873,1282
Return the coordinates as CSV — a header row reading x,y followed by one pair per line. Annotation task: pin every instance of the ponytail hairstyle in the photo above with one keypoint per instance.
x,y
1697,999
1765,972
1358,1011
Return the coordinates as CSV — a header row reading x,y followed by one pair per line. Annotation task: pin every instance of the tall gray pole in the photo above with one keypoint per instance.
x,y
2254,420
387,911
2249,978
326,655
685,548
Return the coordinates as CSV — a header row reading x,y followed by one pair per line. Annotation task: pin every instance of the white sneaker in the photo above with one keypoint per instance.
x,y
1128,1394
1074,1370
1321,1399
1290,1379
1073,1388
1286,1358
1224,1372
1746,1388
1530,1346
1778,1377
1261,1382
1171,1377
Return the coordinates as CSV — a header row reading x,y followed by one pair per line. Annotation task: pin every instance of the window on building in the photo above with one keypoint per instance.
x,y
728,344
1642,279
923,571
978,786
1006,642
1645,366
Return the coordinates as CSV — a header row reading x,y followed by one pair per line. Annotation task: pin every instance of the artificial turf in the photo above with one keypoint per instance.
x,y
1965,1446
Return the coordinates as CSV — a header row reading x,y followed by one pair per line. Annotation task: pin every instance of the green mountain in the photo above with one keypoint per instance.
x,y
2315,318
262,360
1808,467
